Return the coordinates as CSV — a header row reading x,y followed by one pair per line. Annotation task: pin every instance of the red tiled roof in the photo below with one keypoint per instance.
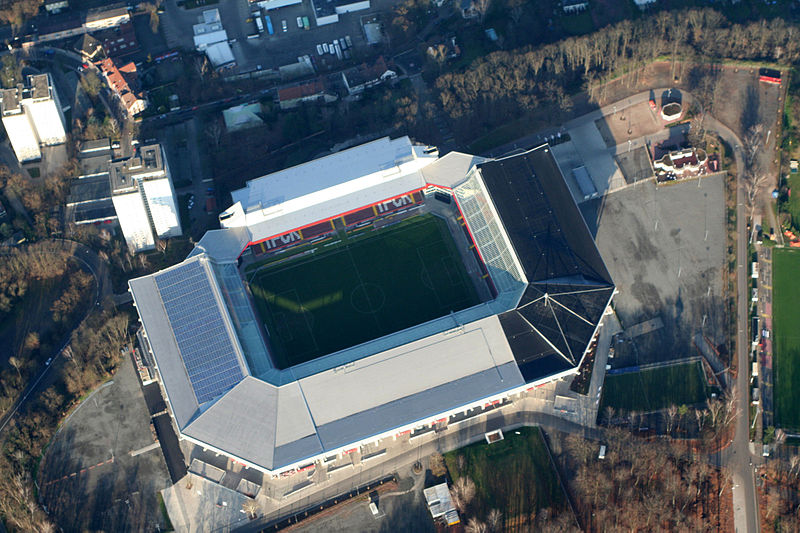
x,y
301,91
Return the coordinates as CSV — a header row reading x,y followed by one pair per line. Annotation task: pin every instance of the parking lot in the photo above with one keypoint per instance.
x,y
665,249
283,47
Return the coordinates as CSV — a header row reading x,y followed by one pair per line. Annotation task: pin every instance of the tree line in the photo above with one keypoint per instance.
x,y
643,486
505,85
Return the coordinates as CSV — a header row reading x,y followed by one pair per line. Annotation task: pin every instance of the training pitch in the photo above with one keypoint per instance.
x,y
656,388
362,288
786,315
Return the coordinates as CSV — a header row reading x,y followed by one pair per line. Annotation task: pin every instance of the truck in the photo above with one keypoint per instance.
x,y
259,24
270,29
338,49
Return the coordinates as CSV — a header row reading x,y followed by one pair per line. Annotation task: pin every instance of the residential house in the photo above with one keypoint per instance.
x,y
364,76
311,91
123,81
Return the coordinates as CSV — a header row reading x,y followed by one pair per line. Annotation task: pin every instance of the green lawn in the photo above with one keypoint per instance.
x,y
654,389
363,289
786,315
792,204
514,475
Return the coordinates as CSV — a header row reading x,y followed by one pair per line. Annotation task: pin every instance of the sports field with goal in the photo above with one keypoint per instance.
x,y
786,347
360,289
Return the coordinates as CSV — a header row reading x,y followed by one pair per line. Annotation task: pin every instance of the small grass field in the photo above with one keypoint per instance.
x,y
656,388
786,316
514,476
361,289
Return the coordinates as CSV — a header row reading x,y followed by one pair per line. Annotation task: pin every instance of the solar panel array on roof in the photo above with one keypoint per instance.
x,y
203,339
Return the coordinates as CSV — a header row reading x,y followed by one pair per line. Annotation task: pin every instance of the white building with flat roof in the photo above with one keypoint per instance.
x,y
144,198
32,117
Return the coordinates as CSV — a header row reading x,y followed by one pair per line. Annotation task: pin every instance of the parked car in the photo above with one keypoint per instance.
x,y
325,47
300,22
284,25
349,41
320,51
332,48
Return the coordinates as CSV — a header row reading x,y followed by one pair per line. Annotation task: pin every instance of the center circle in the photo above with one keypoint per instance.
x,y
367,298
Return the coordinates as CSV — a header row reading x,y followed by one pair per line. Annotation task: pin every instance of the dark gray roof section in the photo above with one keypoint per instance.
x,y
541,218
91,189
569,286
10,101
40,85
95,211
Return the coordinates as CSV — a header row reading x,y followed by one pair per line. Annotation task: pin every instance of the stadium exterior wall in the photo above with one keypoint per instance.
x,y
394,432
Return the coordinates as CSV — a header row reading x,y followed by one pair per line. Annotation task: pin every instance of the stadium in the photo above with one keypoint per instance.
x,y
375,292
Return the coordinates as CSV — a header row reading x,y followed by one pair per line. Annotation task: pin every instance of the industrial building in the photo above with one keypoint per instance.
x,y
144,198
546,289
212,39
32,117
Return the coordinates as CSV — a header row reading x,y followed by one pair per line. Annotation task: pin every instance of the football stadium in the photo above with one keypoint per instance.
x,y
378,291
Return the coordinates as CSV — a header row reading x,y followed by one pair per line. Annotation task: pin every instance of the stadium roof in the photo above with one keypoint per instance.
x,y
224,398
569,286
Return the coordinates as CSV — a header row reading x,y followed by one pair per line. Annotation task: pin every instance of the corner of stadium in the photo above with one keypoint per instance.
x,y
378,291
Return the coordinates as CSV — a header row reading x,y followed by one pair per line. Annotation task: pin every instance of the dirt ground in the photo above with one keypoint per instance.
x,y
630,123
89,480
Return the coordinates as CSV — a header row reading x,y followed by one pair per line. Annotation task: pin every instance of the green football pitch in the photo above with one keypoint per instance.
x,y
786,314
361,289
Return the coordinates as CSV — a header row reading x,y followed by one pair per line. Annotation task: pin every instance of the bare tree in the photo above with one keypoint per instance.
x,y
714,409
214,133
753,184
610,412
494,520
481,7
752,140
671,415
700,415
475,526
13,361
463,492
461,461
251,508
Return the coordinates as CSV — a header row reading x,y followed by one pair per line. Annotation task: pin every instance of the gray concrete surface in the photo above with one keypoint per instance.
x,y
89,480
665,249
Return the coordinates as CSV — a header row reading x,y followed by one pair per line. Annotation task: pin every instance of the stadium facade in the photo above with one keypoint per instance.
x,y
549,291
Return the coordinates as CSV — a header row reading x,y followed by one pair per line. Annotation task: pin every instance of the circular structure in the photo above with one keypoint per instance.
x,y
367,298
671,111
